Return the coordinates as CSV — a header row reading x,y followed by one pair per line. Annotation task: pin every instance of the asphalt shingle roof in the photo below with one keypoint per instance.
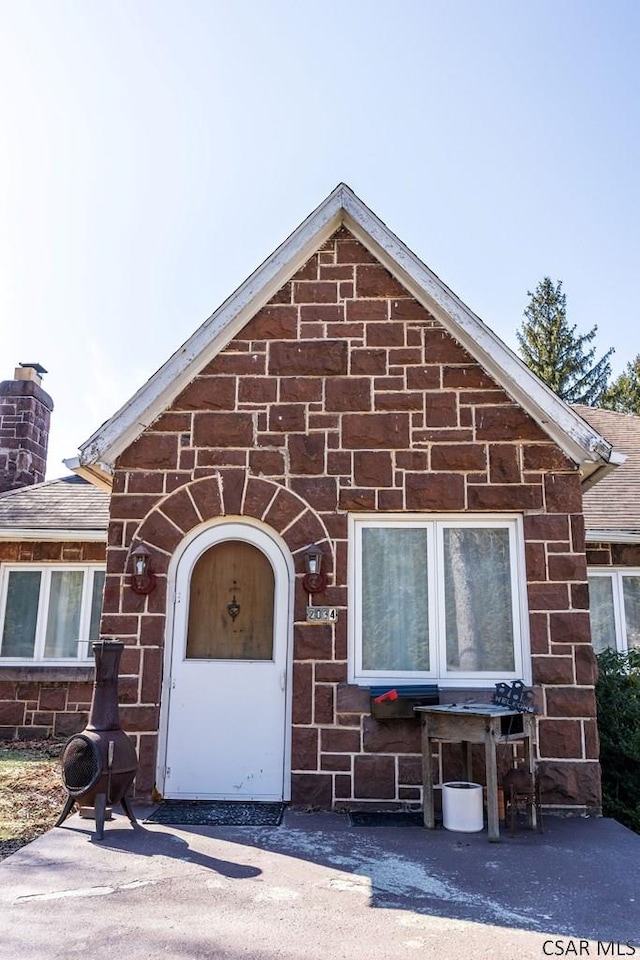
x,y
614,502
69,503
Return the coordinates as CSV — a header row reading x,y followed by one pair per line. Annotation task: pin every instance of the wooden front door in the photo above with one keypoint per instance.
x,y
227,700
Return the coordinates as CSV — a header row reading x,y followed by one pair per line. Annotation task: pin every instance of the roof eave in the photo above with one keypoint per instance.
x,y
54,534
580,442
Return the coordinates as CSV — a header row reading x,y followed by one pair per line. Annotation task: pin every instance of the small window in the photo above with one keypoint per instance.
x,y
439,599
614,608
49,613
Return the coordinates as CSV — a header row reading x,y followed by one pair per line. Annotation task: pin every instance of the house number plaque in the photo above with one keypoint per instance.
x,y
322,614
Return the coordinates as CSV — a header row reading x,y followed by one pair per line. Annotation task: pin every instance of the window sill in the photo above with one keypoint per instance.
x,y
47,672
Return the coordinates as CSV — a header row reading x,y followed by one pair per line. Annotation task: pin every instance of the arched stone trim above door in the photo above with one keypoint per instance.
x,y
230,493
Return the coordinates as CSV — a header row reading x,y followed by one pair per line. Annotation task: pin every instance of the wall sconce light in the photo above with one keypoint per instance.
x,y
143,580
315,580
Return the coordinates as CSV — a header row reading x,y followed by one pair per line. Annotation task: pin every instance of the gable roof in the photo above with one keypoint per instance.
x,y
69,508
612,506
581,442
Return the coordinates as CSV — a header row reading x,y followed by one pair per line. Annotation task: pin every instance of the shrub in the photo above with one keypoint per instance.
x,y
618,697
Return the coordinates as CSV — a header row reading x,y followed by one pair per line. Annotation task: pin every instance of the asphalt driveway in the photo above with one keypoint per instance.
x,y
318,887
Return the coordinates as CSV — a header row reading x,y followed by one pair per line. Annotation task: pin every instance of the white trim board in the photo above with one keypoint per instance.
x,y
580,442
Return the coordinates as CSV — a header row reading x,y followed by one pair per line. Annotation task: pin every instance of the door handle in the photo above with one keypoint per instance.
x,y
283,678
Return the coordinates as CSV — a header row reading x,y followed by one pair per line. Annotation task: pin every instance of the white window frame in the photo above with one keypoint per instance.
x,y
46,569
617,575
435,525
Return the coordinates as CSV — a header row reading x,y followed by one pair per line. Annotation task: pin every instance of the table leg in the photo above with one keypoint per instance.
x,y
491,765
427,778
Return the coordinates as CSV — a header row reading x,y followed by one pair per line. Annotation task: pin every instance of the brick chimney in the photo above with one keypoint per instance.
x,y
25,413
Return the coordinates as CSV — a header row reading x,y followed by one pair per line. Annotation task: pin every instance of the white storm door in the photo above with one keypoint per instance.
x,y
227,700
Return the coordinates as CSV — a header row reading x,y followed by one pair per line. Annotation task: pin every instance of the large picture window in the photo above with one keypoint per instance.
x,y
614,607
438,599
49,613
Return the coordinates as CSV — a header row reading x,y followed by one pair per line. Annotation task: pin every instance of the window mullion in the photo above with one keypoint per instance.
x,y
85,612
43,613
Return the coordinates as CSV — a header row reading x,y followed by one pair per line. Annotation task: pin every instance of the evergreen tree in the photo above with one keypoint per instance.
x,y
623,394
556,352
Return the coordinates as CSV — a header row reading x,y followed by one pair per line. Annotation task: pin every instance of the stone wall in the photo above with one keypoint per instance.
x,y
40,701
344,394
25,414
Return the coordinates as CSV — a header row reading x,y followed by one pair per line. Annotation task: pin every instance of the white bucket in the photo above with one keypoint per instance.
x,y
462,806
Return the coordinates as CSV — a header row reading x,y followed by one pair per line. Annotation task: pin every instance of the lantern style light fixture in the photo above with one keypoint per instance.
x,y
315,580
143,579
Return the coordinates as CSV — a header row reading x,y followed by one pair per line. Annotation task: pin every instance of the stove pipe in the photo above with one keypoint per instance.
x,y
99,764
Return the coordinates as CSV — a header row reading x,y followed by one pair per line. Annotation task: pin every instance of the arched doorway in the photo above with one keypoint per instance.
x,y
227,712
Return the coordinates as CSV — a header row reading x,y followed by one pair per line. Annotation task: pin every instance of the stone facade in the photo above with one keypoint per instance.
x,y
344,394
49,701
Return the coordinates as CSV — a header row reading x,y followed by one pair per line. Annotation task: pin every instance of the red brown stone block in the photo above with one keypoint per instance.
x,y
459,456
268,462
385,335
506,420
591,739
367,310
306,453
570,627
564,782
504,463
368,361
374,778
348,393
151,451
315,291
391,736
352,699
321,493
440,347
409,309
543,527
258,390
311,790
375,281
304,748
552,670
442,491
373,468
144,481
180,510
324,358
410,770
284,510
504,497
545,456
350,250
548,596
334,740
273,322
323,711
441,409
158,531
357,499
287,418
560,738
536,561
375,431
206,495
335,761
302,692
223,430
313,641
562,493
586,664
207,393
398,400
330,672
300,389
571,702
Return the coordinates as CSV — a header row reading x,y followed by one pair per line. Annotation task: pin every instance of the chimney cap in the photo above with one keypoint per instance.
x,y
39,369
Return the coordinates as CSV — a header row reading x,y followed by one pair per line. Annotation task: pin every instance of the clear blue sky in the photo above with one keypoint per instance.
x,y
154,152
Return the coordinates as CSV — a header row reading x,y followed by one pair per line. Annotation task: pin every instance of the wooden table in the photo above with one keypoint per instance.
x,y
474,723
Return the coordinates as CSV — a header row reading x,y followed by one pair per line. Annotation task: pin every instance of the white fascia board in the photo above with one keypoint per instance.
x,y
126,425
99,474
612,536
582,444
33,533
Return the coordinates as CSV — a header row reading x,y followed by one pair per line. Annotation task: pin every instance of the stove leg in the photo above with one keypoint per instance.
x,y
100,807
126,806
68,807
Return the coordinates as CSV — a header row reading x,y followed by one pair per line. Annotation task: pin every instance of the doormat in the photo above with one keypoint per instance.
x,y
372,818
218,813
